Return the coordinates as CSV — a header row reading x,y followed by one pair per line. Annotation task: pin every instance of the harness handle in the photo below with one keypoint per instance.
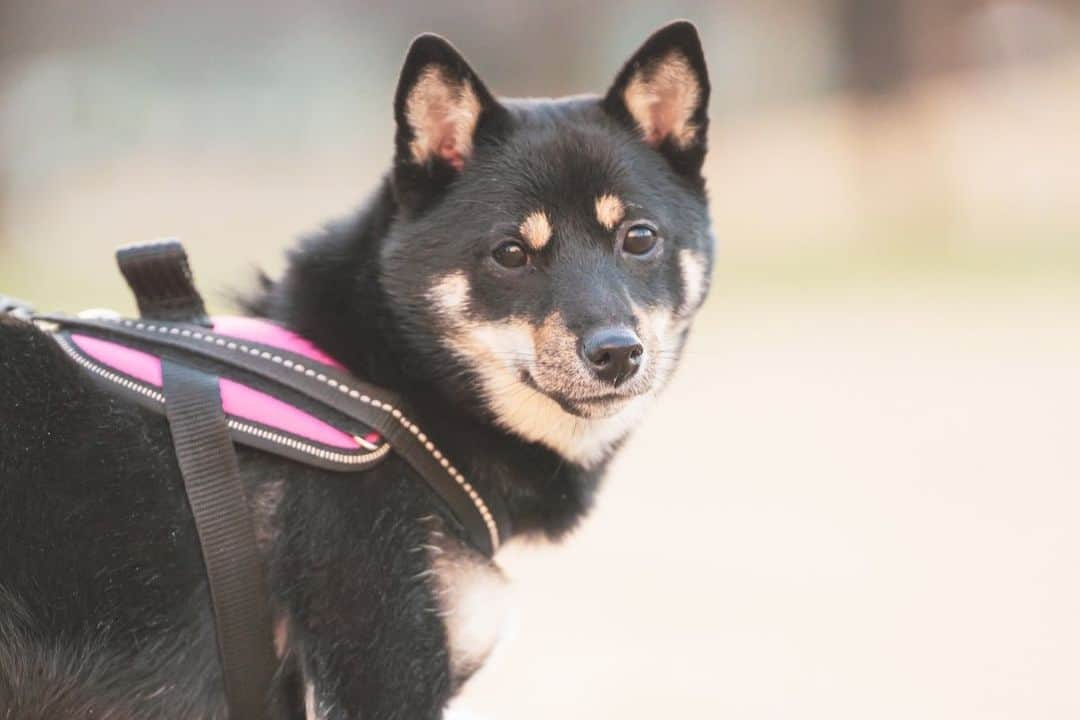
x,y
159,275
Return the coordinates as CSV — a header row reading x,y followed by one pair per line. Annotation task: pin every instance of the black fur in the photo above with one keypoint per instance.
x,y
104,610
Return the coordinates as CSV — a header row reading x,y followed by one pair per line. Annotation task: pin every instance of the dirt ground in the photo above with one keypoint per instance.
x,y
849,505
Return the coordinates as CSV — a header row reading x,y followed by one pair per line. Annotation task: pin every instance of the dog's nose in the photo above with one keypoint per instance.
x,y
613,353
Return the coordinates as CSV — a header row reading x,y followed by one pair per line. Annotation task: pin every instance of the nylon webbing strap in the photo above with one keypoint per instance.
x,y
211,475
405,443
160,277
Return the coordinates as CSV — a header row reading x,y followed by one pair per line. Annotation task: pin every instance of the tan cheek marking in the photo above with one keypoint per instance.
x,y
556,338
609,211
536,229
663,98
450,295
498,345
693,276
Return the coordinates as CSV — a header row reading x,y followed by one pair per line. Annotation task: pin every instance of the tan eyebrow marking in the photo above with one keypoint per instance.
x,y
536,230
609,211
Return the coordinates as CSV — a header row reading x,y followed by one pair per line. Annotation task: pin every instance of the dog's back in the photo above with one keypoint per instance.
x,y
74,460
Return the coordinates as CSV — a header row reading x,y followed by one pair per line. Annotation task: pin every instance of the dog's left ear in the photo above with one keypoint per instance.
x,y
443,112
663,93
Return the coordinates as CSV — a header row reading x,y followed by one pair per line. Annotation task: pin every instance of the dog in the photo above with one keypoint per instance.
x,y
525,274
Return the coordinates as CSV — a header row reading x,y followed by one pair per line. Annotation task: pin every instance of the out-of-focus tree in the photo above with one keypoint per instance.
x,y
874,45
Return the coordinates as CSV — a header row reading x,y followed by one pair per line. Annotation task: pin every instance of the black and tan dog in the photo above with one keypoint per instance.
x,y
525,276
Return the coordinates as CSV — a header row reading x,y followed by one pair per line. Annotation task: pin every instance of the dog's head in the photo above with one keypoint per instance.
x,y
549,254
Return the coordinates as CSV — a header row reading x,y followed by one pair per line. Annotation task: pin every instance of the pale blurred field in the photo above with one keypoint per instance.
x,y
852,504
859,497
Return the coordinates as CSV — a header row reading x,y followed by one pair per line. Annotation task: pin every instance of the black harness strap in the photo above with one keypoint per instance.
x,y
405,443
160,277
211,475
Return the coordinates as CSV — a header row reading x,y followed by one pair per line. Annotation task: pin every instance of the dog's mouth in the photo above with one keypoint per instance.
x,y
600,405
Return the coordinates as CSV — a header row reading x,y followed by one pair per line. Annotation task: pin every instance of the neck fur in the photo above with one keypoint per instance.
x,y
333,273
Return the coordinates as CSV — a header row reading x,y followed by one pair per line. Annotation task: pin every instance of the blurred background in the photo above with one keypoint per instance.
x,y
859,497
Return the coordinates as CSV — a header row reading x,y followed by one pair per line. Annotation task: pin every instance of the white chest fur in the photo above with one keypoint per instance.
x,y
474,600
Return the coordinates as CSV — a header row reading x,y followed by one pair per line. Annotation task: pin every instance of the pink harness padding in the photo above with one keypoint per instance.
x,y
267,333
237,400
137,364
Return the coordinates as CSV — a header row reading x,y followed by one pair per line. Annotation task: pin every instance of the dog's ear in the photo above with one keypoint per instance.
x,y
443,112
663,92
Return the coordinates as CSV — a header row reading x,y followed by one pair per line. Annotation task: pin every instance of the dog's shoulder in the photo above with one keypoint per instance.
x,y
27,354
37,381
82,472
46,400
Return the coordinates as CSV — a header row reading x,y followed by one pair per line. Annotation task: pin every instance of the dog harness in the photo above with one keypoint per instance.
x,y
226,380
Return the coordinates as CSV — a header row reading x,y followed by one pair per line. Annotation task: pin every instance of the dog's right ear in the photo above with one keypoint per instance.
x,y
443,112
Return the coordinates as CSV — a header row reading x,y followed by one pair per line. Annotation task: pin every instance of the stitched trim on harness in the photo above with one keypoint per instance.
x,y
232,344
345,458
258,353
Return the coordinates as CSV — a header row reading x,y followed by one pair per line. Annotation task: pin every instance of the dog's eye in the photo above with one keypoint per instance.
x,y
510,254
639,239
